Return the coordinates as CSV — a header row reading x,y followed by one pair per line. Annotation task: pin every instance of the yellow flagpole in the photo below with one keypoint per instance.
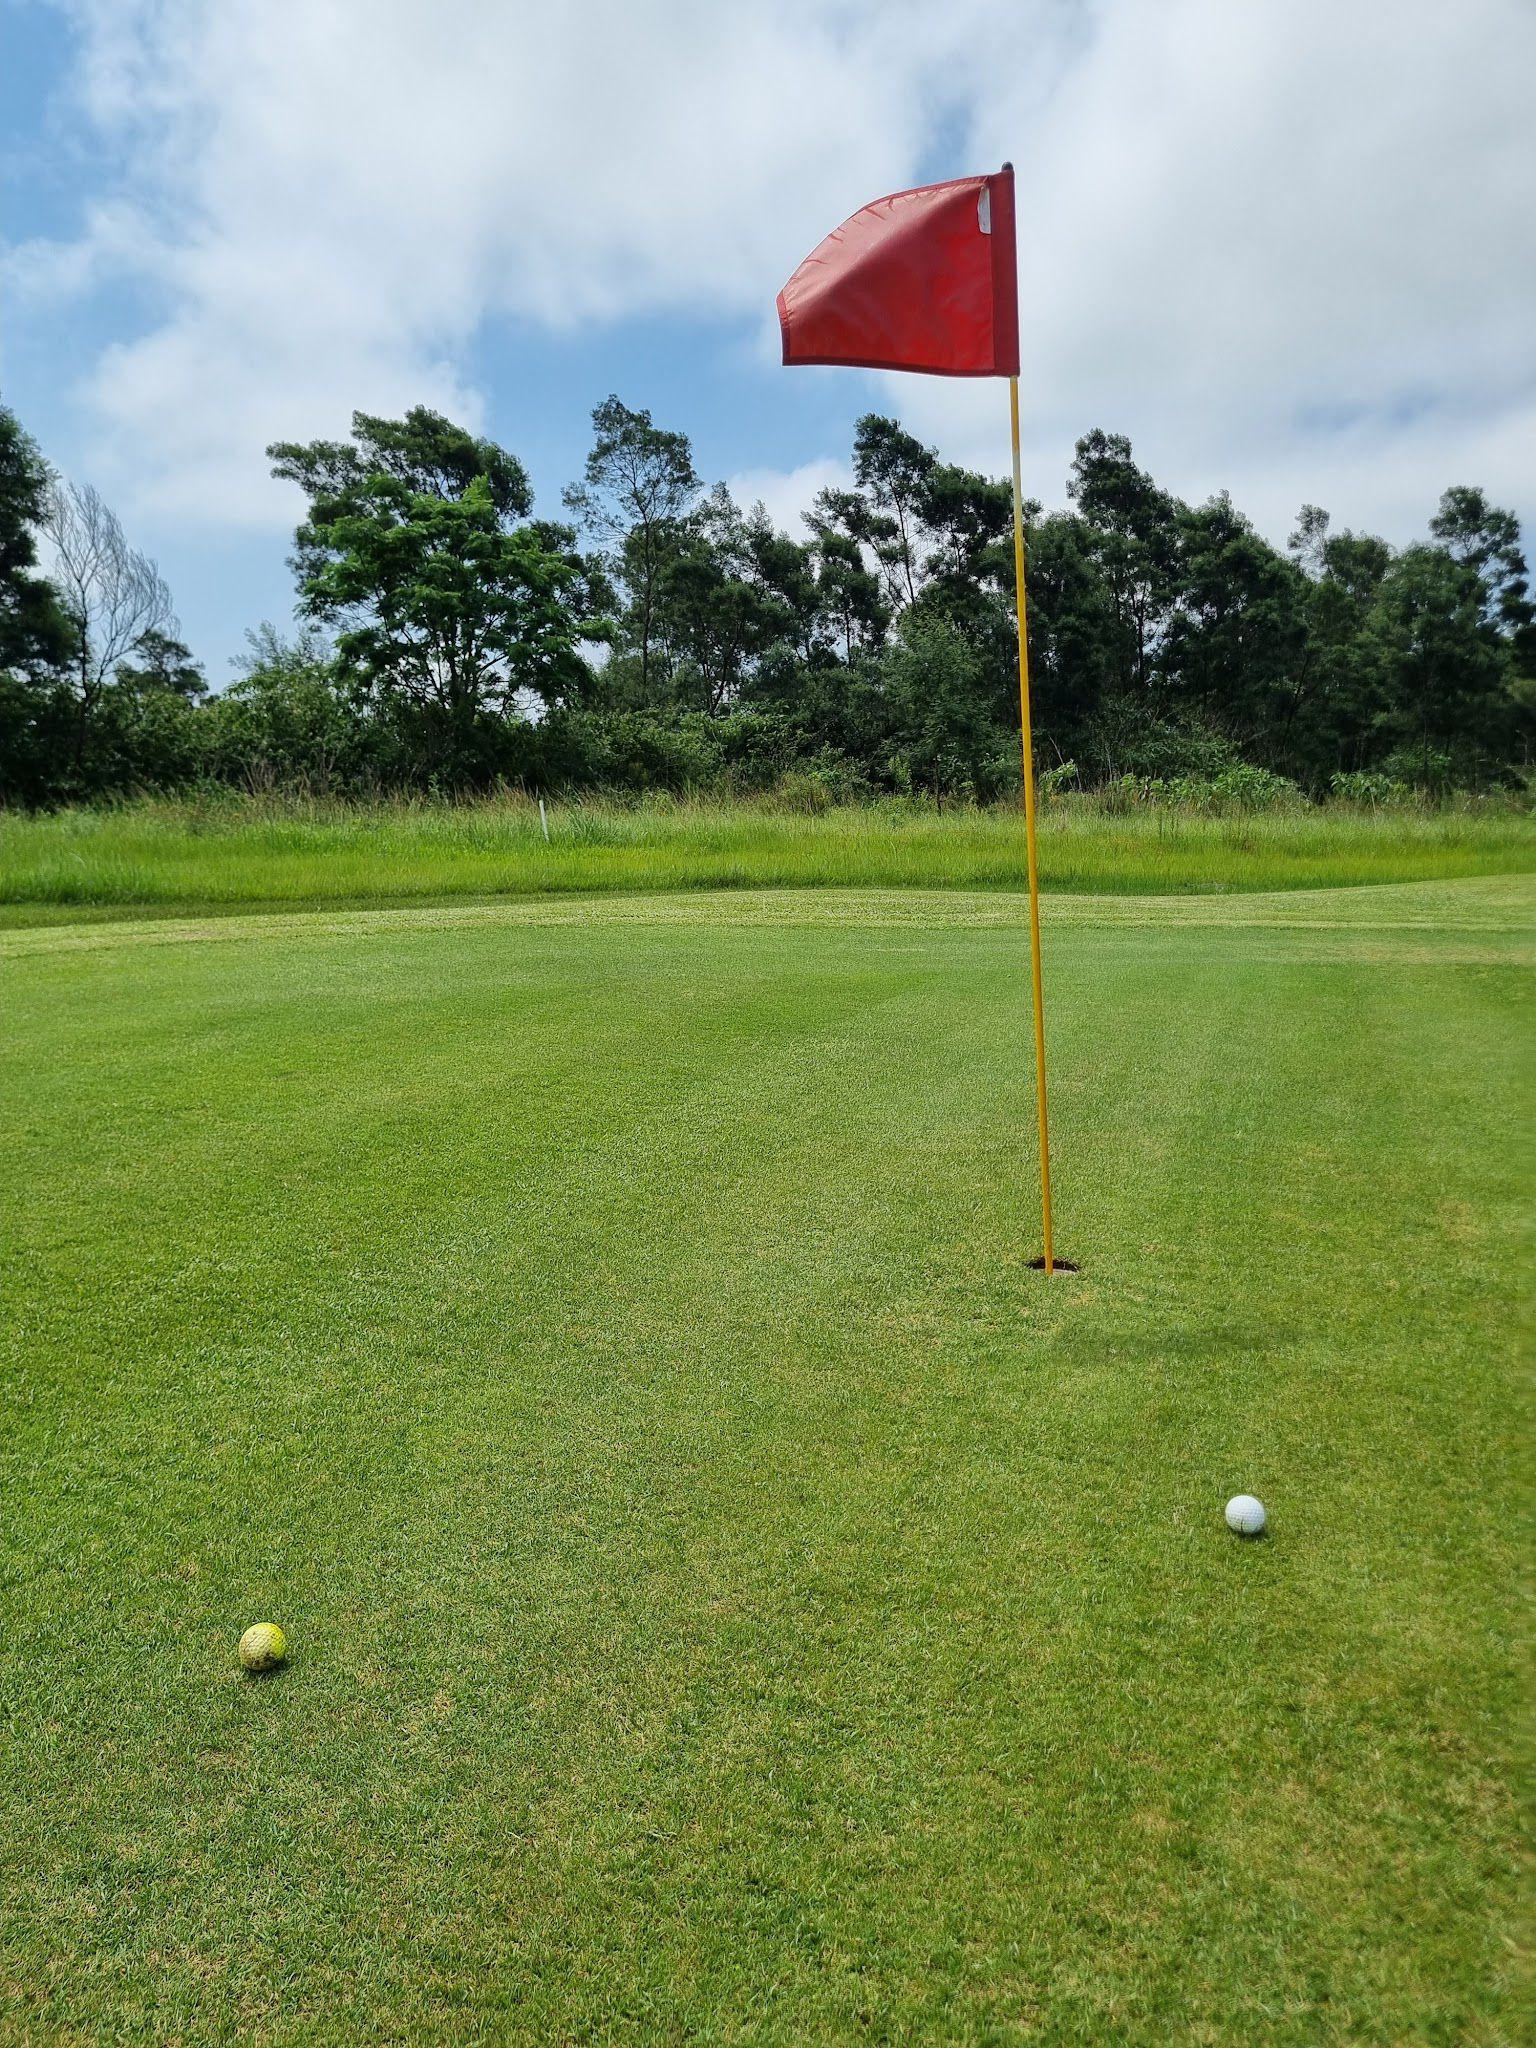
x,y
1029,830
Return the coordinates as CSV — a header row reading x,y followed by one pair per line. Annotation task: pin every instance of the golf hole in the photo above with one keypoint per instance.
x,y
1057,1266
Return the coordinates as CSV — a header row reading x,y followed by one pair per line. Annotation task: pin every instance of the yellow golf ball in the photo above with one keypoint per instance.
x,y
262,1647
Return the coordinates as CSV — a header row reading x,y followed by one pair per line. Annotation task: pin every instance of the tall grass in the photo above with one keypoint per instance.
x,y
226,852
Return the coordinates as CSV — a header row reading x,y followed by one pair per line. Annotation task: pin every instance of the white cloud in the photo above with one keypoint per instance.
x,y
1286,244
788,494
1288,248
116,240
347,188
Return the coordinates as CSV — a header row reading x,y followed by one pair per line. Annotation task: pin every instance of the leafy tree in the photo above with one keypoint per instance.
x,y
1448,714
424,455
1236,653
163,663
448,604
851,609
916,531
968,519
145,729
288,722
923,523
1074,641
1168,643
1308,544
894,472
943,738
785,571
1486,539
1350,682
35,634
638,486
1133,527
718,609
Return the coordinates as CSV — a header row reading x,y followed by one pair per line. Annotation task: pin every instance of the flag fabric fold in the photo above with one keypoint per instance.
x,y
920,280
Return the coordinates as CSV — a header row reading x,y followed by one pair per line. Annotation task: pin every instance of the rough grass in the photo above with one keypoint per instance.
x,y
732,1599
238,854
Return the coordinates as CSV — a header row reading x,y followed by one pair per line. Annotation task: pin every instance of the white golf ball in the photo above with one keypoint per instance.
x,y
1245,1515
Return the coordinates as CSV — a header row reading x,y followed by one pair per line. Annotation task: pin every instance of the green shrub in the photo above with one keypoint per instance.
x,y
1427,768
1146,749
1367,786
1237,788
1245,788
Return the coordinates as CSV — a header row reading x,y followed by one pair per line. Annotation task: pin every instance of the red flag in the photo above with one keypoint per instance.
x,y
922,280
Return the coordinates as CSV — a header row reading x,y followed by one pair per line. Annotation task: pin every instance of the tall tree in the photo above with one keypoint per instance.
x,y
447,602
422,455
894,471
1350,679
730,589
853,614
1074,642
1486,539
34,631
968,519
35,635
1236,653
1448,706
1134,531
638,486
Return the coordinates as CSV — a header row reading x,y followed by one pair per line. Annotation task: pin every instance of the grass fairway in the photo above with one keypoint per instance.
x,y
731,1598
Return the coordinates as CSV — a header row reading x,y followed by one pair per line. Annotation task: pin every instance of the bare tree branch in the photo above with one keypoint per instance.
x,y
114,595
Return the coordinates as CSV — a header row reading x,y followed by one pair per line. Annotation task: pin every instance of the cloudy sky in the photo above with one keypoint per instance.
x,y
1289,246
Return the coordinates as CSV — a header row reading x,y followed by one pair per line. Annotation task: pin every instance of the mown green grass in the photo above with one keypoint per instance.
x,y
732,1599
233,854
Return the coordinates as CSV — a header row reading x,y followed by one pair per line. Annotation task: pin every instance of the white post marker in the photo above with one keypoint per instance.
x,y
544,820
1245,1515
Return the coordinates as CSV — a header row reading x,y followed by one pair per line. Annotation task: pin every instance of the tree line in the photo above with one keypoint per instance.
x,y
661,636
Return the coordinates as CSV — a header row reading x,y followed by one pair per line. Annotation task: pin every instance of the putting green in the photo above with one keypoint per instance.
x,y
728,1596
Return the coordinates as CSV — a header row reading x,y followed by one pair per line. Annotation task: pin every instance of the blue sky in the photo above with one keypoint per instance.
x,y
1288,254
